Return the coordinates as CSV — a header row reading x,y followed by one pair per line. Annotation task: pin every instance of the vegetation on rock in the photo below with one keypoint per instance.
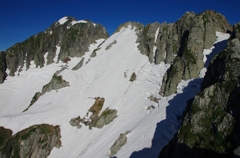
x,y
96,120
188,37
211,124
35,141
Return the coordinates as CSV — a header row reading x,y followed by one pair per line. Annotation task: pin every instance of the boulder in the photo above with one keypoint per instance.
x,y
133,77
121,141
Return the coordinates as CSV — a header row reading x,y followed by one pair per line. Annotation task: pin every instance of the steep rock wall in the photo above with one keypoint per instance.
x,y
211,125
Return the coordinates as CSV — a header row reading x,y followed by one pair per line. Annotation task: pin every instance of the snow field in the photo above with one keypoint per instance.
x,y
102,76
62,20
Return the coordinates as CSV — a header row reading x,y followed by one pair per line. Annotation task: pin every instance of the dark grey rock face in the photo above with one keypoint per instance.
x,y
3,66
186,40
181,44
73,40
166,43
76,40
146,40
211,124
36,141
171,78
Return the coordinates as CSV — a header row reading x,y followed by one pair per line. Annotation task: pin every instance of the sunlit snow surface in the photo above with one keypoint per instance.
x,y
63,20
77,22
155,40
102,76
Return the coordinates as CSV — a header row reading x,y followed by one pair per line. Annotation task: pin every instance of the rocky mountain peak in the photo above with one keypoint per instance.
x,y
218,20
72,36
59,25
138,26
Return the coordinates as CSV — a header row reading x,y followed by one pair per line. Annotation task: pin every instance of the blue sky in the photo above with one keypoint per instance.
x,y
19,19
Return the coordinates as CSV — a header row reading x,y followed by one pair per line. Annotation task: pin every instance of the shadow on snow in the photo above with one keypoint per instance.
x,y
218,48
166,129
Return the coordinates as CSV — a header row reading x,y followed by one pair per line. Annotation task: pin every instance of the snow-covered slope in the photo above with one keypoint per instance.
x,y
106,75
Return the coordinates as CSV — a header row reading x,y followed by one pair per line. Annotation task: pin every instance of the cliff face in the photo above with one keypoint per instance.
x,y
79,36
211,125
190,35
72,36
3,67
181,44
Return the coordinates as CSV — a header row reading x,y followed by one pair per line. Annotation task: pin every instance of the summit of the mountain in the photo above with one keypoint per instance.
x,y
72,36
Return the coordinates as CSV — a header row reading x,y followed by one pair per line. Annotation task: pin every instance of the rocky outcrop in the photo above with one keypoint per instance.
x,y
5,135
166,43
171,78
186,40
110,45
76,122
95,120
3,67
73,38
106,117
79,65
133,77
236,31
57,82
138,27
121,141
146,40
211,125
36,141
79,36
180,44
94,53
226,65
